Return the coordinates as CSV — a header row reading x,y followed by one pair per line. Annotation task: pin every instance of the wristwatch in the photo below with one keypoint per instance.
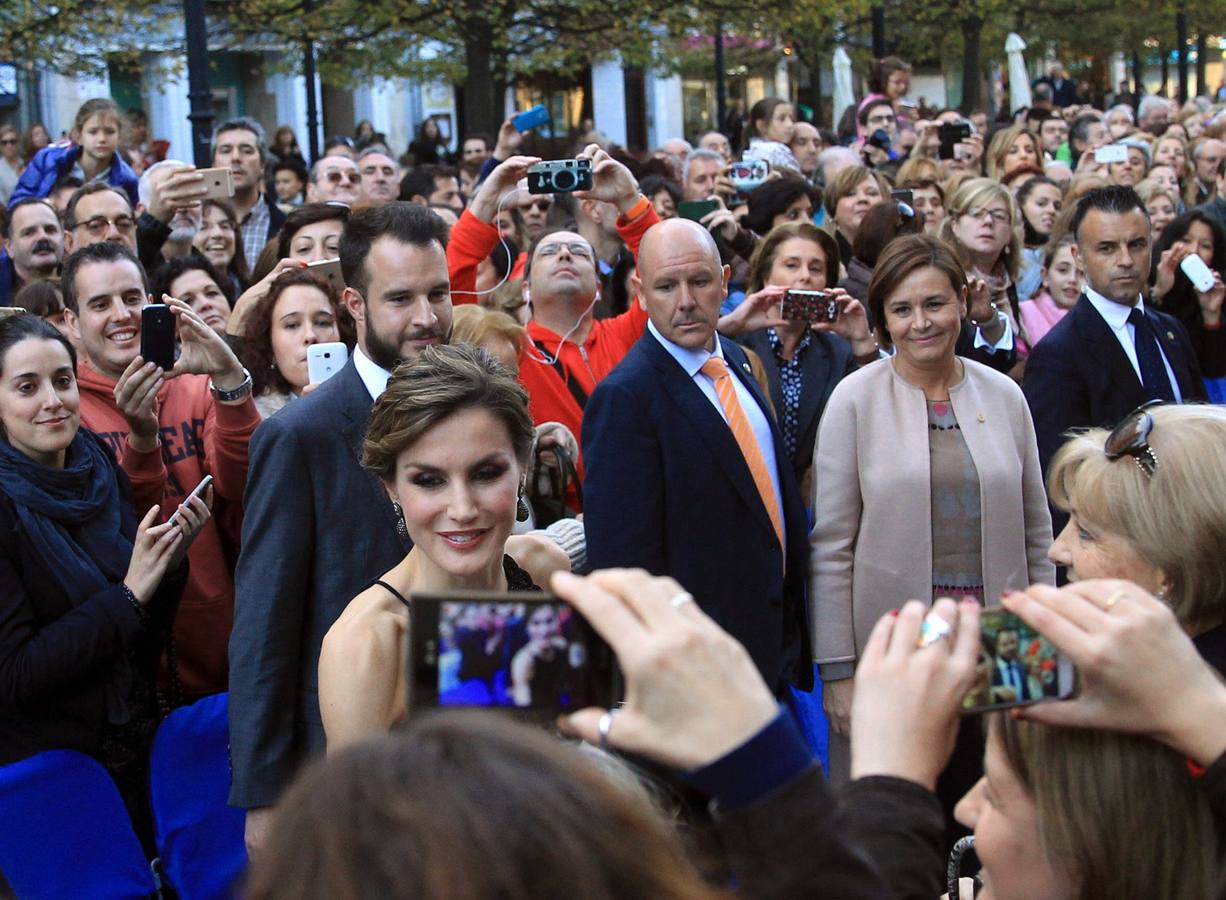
x,y
234,395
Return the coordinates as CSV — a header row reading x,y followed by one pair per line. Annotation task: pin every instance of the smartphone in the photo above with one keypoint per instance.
x,y
903,195
218,184
1017,666
1112,153
534,658
1198,272
811,306
950,134
530,119
330,270
157,335
325,360
695,210
197,491
748,174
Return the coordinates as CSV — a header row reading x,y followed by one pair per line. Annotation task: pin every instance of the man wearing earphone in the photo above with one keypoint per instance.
x,y
568,351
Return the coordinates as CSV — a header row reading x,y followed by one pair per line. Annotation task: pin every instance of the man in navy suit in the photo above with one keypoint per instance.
x,y
686,472
1010,679
1112,352
317,528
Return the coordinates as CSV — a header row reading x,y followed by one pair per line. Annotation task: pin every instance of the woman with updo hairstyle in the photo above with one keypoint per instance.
x,y
299,311
450,440
469,805
1156,517
772,123
312,232
1012,148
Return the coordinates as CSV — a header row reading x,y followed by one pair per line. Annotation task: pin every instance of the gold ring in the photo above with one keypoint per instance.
x,y
1114,599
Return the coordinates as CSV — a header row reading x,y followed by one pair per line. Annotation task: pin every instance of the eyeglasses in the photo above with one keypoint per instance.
x,y
998,216
7,142
1131,438
539,205
98,225
885,119
576,248
335,177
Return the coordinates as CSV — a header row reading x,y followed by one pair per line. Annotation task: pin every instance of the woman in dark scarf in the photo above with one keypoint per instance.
x,y
86,593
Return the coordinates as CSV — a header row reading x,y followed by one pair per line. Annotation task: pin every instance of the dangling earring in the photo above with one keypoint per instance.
x,y
522,512
402,527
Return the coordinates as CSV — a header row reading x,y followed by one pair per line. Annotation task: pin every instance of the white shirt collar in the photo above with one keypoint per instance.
x,y
1115,314
690,360
373,376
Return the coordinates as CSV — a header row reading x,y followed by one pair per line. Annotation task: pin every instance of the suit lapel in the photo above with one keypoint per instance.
x,y
1105,348
1175,353
354,403
704,419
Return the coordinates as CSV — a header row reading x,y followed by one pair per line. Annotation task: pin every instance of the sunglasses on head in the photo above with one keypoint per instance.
x,y
1131,438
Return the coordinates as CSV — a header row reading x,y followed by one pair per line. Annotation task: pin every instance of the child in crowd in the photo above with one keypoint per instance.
x,y
91,154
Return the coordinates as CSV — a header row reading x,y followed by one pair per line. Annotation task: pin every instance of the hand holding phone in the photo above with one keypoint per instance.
x,y
747,175
1017,666
218,183
696,210
325,360
811,306
530,119
329,270
157,335
197,491
1198,272
1112,153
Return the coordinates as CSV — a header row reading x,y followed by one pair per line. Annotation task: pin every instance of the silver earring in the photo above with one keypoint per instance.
x,y
402,527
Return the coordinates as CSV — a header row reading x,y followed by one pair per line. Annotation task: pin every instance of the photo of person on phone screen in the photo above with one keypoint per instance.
x,y
539,669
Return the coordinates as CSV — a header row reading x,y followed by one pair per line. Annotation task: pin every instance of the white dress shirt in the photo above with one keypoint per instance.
x,y
1116,317
374,376
692,362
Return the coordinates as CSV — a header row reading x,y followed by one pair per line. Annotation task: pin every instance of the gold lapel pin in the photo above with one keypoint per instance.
x,y
1170,336
982,417
745,366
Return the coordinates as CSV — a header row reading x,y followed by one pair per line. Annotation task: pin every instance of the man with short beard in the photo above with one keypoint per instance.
x,y
317,527
33,246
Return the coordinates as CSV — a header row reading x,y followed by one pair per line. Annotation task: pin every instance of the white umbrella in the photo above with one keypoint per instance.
x,y
843,94
1019,79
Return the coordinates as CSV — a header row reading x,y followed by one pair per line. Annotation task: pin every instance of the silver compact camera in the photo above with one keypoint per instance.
x,y
560,176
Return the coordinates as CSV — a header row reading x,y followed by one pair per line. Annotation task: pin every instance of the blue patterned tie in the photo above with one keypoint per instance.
x,y
1153,372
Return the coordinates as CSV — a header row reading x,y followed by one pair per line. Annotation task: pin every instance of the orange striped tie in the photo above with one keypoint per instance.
x,y
715,369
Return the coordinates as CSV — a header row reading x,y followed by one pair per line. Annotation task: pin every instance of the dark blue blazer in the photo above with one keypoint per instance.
x,y
1078,375
668,490
317,529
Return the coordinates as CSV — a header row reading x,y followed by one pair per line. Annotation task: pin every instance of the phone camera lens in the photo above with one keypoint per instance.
x,y
327,356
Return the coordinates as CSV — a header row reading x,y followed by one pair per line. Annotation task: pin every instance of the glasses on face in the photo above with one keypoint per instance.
x,y
7,142
98,225
576,248
883,119
336,177
539,205
998,216
1131,438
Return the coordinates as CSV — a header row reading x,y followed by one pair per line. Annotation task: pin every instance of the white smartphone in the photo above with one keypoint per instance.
x,y
329,270
1198,272
1112,153
218,183
325,360
198,491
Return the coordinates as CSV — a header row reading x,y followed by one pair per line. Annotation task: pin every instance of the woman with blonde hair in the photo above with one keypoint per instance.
x,y
1147,503
982,228
1161,203
848,196
1012,148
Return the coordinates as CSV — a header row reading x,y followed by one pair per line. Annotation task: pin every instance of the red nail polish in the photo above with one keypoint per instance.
x,y
894,613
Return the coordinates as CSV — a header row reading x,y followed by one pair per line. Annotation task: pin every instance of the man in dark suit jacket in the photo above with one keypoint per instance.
x,y
317,527
1091,369
668,486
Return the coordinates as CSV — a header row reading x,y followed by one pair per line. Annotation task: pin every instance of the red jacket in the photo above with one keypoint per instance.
x,y
608,341
198,437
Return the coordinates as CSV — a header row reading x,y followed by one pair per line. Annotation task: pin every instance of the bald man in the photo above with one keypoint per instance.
x,y
687,474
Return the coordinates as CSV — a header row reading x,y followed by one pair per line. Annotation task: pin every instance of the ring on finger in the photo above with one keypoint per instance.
x,y
934,628
681,599
602,728
1113,599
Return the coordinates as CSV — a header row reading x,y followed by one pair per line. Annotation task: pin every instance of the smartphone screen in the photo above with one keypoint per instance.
x,y
1017,666
695,210
157,335
534,657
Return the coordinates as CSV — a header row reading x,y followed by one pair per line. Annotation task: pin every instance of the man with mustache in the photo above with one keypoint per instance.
x,y
317,527
687,474
33,246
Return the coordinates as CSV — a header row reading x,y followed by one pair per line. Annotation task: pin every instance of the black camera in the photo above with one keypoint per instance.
x,y
880,139
560,176
949,134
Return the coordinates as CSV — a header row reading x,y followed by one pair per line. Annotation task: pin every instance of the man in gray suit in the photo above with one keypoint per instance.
x,y
318,528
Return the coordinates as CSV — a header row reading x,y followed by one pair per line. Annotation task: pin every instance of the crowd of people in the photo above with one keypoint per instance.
x,y
1000,379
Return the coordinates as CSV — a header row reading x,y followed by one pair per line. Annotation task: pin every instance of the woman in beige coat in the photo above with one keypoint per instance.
x,y
926,475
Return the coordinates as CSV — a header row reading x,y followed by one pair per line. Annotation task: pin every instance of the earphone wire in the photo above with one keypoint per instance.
x,y
531,350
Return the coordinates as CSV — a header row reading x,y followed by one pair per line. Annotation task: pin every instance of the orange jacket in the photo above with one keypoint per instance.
x,y
198,437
